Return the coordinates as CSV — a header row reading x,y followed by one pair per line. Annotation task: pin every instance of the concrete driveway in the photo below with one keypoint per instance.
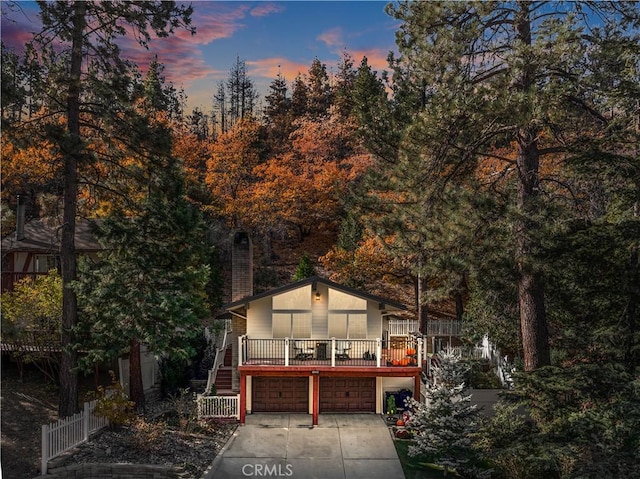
x,y
349,446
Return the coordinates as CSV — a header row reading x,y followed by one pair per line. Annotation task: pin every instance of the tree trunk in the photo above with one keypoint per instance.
x,y
423,314
533,319
136,389
68,401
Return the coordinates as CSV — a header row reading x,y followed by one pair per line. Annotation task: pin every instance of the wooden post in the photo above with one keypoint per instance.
x,y
416,388
86,415
333,352
378,351
316,398
243,398
286,351
45,449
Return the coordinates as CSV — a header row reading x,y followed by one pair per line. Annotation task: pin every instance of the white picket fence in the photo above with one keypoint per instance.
x,y
218,406
64,434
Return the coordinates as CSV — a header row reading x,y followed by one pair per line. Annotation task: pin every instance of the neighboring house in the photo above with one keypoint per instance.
x,y
34,249
316,347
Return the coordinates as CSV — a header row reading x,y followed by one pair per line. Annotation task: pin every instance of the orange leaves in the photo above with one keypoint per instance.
x,y
230,168
369,260
25,167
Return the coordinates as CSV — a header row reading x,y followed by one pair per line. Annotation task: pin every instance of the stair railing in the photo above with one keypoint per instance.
x,y
220,351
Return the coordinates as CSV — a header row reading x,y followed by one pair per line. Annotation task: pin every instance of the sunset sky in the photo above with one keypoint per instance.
x,y
266,35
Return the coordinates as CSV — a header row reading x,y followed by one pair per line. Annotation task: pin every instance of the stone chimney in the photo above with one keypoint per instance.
x,y
241,266
20,220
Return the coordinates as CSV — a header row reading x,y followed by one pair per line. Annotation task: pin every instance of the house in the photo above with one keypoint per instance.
x,y
315,346
34,249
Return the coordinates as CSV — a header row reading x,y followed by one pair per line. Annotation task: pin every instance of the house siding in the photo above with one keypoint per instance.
x,y
374,321
319,326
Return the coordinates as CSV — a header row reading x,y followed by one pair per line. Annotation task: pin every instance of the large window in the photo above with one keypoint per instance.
x,y
292,325
348,325
292,313
347,316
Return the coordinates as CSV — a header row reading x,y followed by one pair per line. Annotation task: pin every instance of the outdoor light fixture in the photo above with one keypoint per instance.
x,y
317,295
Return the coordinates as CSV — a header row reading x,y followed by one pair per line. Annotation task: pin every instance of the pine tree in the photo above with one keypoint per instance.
x,y
342,91
319,96
299,97
305,269
278,115
489,86
445,423
149,286
67,24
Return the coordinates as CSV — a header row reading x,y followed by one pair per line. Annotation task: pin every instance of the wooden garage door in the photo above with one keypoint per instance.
x,y
347,394
273,394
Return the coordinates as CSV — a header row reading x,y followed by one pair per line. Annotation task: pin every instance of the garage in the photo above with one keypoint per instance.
x,y
347,394
274,394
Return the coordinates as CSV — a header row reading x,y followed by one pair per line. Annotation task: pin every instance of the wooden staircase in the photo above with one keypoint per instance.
x,y
224,377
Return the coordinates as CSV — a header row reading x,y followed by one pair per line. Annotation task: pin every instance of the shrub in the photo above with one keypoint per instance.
x,y
113,403
147,436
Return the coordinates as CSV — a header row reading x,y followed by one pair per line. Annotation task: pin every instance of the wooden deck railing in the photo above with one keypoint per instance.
x,y
444,327
435,327
329,352
403,327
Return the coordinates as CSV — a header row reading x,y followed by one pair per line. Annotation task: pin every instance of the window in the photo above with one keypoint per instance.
x,y
337,325
301,325
291,325
43,263
281,325
357,326
348,325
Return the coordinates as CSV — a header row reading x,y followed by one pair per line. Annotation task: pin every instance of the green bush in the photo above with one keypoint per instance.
x,y
113,404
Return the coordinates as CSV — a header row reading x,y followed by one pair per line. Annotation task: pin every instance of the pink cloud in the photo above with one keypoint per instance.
x,y
182,58
266,9
15,36
214,21
376,58
332,37
182,63
270,67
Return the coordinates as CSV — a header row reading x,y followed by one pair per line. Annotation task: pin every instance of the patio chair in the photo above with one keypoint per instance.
x,y
302,351
341,350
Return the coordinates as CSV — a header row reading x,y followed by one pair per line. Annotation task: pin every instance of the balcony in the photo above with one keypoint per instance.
x,y
330,352
444,327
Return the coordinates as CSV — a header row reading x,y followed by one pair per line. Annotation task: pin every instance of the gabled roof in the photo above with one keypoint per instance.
x,y
40,236
385,303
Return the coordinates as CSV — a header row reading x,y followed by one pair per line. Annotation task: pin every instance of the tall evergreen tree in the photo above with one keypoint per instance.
x,y
241,93
488,75
344,85
149,287
85,33
278,116
220,109
299,97
319,97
